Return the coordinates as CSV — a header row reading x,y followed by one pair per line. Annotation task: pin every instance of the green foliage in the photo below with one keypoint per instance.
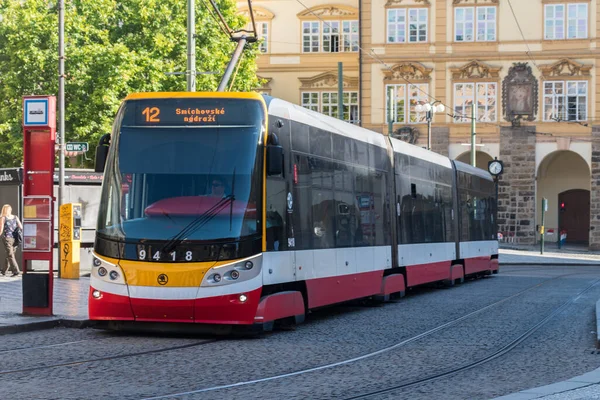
x,y
112,48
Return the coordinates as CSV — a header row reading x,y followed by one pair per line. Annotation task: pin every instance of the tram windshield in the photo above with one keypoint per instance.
x,y
193,183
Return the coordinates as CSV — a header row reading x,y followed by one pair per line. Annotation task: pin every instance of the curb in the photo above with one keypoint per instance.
x,y
547,264
598,324
48,324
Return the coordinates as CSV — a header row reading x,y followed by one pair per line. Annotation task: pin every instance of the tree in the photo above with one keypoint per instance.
x,y
112,48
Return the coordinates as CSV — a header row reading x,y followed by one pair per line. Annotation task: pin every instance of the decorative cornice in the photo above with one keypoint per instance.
x,y
329,11
266,82
409,70
392,3
259,13
476,70
565,67
475,1
328,80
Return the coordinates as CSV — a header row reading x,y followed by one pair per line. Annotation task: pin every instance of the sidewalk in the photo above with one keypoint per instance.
x,y
530,255
70,305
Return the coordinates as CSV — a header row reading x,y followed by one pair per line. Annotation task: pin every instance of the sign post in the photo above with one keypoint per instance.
x,y
544,209
39,137
77,146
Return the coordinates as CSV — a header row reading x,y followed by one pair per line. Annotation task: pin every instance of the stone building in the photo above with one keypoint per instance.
x,y
529,66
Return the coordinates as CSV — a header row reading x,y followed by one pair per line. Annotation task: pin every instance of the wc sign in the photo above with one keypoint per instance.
x,y
35,112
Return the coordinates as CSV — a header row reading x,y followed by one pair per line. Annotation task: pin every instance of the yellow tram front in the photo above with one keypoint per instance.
x,y
180,230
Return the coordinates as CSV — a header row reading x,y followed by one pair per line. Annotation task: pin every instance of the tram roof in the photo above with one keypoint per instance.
x,y
469,169
419,152
293,112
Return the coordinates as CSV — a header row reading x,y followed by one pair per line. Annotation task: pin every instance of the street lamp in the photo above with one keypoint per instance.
x,y
430,109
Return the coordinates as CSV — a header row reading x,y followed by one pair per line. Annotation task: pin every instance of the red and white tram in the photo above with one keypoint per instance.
x,y
239,209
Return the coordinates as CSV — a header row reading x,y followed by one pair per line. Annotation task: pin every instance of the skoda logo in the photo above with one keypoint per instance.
x,y
163,279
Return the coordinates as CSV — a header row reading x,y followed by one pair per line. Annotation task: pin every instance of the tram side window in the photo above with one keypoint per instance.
x,y
342,148
299,134
323,213
276,212
320,142
346,211
381,215
322,207
363,193
360,154
447,206
302,223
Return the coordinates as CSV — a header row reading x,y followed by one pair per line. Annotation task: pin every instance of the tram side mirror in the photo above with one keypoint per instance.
x,y
102,153
274,156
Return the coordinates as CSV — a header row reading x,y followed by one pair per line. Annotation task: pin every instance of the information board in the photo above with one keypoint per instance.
x,y
37,207
36,236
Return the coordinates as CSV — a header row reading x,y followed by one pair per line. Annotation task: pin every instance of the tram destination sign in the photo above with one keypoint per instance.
x,y
77,146
192,111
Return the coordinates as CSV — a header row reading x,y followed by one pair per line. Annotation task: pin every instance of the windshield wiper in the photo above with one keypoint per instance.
x,y
197,223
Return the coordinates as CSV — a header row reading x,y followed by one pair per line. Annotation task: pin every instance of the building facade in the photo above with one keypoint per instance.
x,y
529,68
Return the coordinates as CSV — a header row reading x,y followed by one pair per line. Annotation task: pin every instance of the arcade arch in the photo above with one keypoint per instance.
x,y
564,177
481,159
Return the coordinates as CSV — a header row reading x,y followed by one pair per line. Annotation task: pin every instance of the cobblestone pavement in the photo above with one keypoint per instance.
x,y
70,300
561,349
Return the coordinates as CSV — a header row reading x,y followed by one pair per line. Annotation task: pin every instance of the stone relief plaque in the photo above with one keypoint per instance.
x,y
520,93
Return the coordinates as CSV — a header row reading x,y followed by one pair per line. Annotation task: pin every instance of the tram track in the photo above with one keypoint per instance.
x,y
490,357
99,359
405,342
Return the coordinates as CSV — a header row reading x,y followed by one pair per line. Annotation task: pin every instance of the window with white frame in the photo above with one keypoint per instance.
x,y
565,100
329,36
401,31
311,34
310,100
350,35
483,94
475,24
327,103
262,30
568,21
263,34
405,99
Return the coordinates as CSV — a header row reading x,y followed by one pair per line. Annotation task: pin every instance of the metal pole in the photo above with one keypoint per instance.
x,y
542,227
191,47
61,112
496,178
341,91
391,109
473,137
429,117
234,59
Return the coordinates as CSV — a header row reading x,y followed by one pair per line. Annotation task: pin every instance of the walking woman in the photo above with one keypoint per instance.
x,y
8,225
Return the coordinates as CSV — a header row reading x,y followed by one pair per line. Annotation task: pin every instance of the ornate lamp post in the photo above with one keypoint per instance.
x,y
429,109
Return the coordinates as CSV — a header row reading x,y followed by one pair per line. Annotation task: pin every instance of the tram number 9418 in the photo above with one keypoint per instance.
x,y
157,255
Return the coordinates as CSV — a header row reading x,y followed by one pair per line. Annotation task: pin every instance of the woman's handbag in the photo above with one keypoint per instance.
x,y
18,235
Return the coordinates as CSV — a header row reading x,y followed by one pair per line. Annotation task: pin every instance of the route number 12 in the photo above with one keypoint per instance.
x,y
151,114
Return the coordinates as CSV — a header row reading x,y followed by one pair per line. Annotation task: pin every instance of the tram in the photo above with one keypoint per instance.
x,y
237,209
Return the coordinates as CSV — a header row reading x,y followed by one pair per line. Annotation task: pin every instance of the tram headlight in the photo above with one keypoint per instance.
x,y
96,262
243,298
114,275
102,271
234,272
96,294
